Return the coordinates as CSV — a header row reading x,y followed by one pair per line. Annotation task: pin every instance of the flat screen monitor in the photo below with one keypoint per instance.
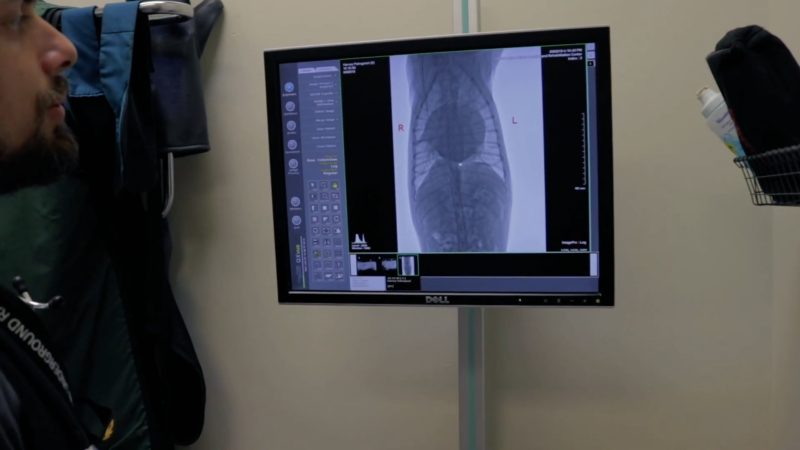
x,y
471,170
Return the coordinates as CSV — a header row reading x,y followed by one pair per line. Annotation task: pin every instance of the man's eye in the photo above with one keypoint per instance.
x,y
19,21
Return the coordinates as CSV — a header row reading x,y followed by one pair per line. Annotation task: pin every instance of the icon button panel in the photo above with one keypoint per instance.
x,y
324,196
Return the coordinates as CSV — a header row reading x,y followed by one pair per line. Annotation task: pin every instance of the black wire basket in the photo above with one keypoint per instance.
x,y
773,177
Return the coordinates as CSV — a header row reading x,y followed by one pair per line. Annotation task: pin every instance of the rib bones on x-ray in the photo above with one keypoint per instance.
x,y
459,180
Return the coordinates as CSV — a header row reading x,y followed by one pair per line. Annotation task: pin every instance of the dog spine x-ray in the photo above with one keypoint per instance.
x,y
368,265
459,180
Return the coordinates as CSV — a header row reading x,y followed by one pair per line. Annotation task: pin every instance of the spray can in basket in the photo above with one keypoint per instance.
x,y
719,119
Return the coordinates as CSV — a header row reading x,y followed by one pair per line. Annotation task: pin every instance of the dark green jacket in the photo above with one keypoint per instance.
x,y
49,237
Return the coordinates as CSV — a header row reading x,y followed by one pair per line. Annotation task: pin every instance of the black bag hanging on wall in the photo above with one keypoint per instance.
x,y
169,375
760,81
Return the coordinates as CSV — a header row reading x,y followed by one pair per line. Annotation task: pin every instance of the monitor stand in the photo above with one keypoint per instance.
x,y
471,373
471,380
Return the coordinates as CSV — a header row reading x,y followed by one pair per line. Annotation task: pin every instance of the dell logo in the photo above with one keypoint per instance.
x,y
437,299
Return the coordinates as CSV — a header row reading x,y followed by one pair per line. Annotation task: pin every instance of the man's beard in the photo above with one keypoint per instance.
x,y
44,157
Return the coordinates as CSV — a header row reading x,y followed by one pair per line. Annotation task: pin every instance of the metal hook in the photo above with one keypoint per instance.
x,y
158,10
170,185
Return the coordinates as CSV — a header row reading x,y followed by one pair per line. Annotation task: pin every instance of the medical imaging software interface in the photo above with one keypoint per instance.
x,y
470,171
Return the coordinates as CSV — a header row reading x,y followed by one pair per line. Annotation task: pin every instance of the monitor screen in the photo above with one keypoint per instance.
x,y
467,170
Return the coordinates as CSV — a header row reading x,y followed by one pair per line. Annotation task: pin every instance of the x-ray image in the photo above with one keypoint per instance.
x,y
373,265
469,151
367,265
408,266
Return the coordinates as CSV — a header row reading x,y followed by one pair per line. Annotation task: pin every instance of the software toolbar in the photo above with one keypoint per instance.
x,y
313,133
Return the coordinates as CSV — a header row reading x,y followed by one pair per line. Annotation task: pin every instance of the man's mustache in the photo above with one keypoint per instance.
x,y
55,96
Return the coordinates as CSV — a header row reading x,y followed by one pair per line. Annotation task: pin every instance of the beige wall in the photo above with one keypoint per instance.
x,y
686,359
786,265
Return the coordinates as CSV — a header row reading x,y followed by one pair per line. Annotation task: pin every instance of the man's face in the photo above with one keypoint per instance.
x,y
35,145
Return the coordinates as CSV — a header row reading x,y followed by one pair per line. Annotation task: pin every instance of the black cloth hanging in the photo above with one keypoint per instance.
x,y
182,125
760,81
171,378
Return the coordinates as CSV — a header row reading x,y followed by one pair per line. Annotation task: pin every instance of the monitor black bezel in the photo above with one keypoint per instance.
x,y
598,35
